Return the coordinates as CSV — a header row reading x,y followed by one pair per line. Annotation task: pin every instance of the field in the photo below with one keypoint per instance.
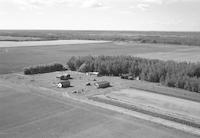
x,y
29,111
166,105
14,59
45,43
32,106
179,38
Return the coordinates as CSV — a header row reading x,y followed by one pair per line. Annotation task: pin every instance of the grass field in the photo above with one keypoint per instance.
x,y
159,103
14,59
31,112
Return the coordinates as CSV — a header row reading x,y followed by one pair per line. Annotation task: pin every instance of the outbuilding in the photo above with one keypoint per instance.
x,y
64,84
93,73
65,77
102,84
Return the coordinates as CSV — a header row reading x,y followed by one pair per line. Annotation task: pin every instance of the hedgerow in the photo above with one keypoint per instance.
x,y
43,69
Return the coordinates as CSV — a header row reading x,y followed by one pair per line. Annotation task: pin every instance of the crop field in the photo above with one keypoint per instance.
x,y
14,59
28,112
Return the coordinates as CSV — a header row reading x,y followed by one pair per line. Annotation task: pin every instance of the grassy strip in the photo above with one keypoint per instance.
x,y
165,93
134,108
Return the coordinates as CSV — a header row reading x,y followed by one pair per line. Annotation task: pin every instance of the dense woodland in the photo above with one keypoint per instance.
x,y
169,73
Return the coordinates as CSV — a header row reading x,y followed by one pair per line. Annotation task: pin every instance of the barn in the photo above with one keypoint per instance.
x,y
64,84
102,84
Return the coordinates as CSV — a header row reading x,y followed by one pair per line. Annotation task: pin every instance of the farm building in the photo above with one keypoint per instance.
x,y
124,76
129,77
64,84
65,77
93,73
102,84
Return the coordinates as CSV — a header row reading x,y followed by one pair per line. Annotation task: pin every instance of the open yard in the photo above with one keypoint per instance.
x,y
30,112
14,59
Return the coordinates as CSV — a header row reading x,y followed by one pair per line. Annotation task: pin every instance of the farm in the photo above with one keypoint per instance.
x,y
34,111
37,105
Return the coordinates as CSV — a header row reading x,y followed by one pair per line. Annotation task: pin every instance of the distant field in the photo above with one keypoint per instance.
x,y
14,59
18,38
179,38
45,43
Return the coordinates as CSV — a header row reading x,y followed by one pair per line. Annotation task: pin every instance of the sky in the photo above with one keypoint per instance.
x,y
141,15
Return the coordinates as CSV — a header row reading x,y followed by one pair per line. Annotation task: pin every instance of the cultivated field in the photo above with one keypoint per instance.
x,y
14,59
30,112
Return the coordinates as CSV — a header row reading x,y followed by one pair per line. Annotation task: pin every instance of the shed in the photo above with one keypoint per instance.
x,y
124,76
102,84
64,84
92,73
65,77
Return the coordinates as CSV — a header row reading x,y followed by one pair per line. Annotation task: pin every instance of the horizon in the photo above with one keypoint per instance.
x,y
100,30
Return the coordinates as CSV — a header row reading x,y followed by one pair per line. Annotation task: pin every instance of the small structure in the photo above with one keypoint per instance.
x,y
88,84
92,73
129,77
102,84
137,78
124,76
74,91
65,77
63,84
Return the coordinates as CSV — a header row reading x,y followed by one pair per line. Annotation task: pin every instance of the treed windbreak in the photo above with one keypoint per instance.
x,y
180,75
43,69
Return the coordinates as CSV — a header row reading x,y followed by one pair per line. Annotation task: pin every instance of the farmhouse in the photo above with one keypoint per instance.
x,y
63,84
102,84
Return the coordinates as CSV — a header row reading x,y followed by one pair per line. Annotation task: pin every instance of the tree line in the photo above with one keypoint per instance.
x,y
169,73
43,69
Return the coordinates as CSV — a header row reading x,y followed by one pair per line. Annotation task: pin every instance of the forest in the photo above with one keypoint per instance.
x,y
181,75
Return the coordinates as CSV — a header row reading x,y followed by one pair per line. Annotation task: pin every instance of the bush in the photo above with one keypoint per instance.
x,y
43,69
